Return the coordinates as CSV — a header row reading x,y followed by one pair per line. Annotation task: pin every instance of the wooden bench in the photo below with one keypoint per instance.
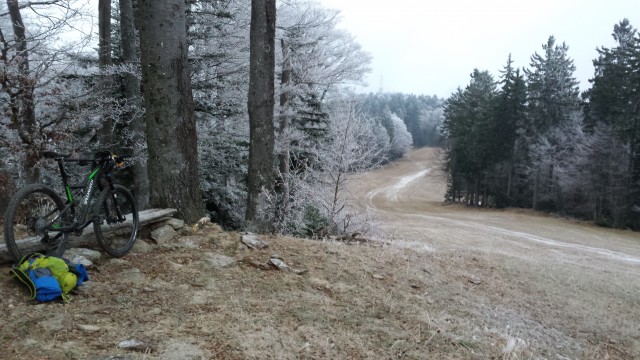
x,y
147,217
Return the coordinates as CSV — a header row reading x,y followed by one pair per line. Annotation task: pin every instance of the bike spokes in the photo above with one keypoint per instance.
x,y
34,218
116,222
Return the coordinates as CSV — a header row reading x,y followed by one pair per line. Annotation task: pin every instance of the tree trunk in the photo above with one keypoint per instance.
x,y
132,94
7,188
282,186
104,60
536,185
260,104
170,120
23,115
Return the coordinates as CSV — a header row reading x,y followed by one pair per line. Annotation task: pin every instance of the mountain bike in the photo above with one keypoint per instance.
x,y
39,220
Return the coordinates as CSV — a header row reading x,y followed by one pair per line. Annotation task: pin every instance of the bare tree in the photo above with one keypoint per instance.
x,y
171,129
31,56
261,102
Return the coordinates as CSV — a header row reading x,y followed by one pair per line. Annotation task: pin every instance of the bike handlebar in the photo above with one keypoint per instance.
x,y
100,156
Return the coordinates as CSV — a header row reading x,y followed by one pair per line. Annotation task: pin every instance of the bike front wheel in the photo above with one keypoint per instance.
x,y
116,220
32,222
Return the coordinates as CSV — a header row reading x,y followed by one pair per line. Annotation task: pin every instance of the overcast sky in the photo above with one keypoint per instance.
x,y
424,47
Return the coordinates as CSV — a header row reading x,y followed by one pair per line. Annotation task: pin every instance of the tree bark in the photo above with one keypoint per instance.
x,y
170,119
132,94
104,60
282,186
260,104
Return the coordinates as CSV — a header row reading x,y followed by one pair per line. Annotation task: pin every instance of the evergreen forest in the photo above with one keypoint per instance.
x,y
528,138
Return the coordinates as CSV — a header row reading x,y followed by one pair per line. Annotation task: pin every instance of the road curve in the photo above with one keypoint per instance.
x,y
407,197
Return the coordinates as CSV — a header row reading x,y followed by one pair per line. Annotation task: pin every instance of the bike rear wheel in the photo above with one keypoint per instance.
x,y
116,221
31,222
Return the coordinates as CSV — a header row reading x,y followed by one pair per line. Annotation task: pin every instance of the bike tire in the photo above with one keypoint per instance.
x,y
116,234
30,209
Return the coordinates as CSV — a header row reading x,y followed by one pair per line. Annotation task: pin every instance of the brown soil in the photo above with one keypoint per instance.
x,y
443,282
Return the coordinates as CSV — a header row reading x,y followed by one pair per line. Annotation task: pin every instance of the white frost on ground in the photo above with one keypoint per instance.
x,y
392,191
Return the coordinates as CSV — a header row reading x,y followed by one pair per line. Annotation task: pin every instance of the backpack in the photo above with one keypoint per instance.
x,y
49,278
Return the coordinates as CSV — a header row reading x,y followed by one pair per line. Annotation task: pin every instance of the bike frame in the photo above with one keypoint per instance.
x,y
88,185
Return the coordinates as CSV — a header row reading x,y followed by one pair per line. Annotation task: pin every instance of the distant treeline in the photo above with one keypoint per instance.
x,y
421,114
530,139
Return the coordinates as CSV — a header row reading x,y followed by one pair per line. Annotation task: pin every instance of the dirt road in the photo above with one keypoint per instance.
x,y
577,283
408,196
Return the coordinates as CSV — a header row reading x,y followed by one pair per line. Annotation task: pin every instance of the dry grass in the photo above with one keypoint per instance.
x,y
354,302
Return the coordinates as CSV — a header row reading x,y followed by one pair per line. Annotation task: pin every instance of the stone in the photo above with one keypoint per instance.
x,y
279,264
299,271
81,260
141,247
176,224
89,254
253,242
133,344
256,264
163,234
88,328
118,262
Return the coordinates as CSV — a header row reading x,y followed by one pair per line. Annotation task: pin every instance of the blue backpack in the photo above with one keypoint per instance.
x,y
49,278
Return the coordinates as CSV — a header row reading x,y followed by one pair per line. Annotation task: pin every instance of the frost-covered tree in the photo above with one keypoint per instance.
x,y
322,56
320,203
219,55
595,185
430,121
556,152
319,58
33,53
401,141
421,114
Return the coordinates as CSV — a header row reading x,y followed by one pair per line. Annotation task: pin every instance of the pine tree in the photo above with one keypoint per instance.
x,y
468,126
614,101
553,90
511,116
553,100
